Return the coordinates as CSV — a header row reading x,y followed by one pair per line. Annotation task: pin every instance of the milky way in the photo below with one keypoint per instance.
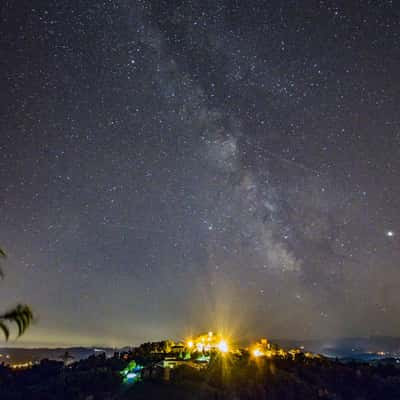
x,y
168,167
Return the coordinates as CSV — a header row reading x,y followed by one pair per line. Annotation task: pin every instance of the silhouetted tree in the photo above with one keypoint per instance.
x,y
21,315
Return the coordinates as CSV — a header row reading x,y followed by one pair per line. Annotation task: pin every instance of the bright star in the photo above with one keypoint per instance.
x,y
389,233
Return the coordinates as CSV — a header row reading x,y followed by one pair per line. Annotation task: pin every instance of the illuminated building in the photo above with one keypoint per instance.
x,y
178,348
208,342
263,348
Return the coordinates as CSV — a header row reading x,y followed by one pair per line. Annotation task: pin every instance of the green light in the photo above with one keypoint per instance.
x,y
203,358
131,372
131,366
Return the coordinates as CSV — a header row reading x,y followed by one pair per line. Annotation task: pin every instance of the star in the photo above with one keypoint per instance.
x,y
144,155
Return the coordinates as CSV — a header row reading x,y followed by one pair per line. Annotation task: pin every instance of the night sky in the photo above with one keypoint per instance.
x,y
173,167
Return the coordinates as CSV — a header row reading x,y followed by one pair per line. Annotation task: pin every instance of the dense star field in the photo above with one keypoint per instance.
x,y
174,166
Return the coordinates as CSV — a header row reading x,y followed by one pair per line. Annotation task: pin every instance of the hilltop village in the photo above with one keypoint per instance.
x,y
157,359
209,366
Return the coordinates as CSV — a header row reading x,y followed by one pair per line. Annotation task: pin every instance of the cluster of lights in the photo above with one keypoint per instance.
x,y
211,342
208,343
264,349
22,365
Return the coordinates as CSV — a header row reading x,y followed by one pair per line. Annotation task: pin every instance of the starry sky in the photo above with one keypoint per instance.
x,y
174,166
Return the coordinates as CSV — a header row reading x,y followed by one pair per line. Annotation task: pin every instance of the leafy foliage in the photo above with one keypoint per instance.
x,y
21,315
3,255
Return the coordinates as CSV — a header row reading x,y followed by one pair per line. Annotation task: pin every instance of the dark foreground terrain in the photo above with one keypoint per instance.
x,y
225,377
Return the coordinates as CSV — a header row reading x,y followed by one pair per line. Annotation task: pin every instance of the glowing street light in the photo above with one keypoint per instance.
x,y
257,353
222,346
